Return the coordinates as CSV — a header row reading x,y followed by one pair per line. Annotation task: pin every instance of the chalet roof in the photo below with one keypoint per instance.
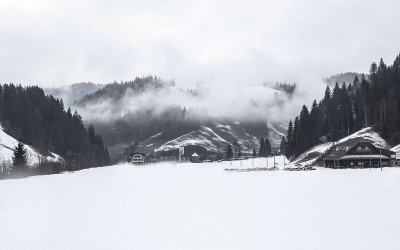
x,y
343,148
195,155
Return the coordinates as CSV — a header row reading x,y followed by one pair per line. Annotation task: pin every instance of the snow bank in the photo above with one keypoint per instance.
x,y
201,206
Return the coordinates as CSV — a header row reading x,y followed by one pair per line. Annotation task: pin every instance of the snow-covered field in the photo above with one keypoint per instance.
x,y
201,206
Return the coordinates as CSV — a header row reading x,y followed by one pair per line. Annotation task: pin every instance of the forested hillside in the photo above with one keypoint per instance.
x,y
347,108
116,91
41,121
70,94
129,113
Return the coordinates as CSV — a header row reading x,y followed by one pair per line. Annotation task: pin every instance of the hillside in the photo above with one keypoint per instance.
x,y
7,145
347,77
71,93
214,138
41,121
348,107
150,115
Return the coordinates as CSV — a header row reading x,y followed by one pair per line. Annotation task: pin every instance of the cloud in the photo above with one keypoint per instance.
x,y
61,42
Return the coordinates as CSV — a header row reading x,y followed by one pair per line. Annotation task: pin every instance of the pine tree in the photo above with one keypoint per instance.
x,y
229,152
289,142
261,151
19,158
304,130
283,146
268,148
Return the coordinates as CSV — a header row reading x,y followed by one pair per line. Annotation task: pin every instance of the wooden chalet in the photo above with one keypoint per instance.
x,y
358,153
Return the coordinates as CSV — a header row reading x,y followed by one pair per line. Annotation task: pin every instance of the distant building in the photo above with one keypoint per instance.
x,y
396,156
358,154
138,158
195,158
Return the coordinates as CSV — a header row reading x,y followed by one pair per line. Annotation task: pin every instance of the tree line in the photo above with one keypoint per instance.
x,y
372,101
41,121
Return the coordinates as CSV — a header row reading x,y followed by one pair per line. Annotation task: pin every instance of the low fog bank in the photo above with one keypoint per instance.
x,y
70,94
215,99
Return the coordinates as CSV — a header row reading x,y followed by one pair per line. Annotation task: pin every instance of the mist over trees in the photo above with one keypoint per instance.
x,y
115,91
349,107
287,88
74,92
347,77
137,120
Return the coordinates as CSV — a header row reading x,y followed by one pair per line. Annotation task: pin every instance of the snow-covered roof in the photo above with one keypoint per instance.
x,y
194,155
396,148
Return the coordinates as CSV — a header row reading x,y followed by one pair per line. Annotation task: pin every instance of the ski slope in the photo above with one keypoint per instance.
x,y
201,206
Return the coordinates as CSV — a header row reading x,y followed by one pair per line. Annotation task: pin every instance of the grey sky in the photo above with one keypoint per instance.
x,y
61,42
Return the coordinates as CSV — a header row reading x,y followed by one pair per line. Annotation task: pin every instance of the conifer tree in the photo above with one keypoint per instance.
x,y
282,147
289,142
229,152
268,148
261,151
19,158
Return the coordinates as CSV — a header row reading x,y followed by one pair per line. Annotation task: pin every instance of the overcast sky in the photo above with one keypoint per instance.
x,y
52,43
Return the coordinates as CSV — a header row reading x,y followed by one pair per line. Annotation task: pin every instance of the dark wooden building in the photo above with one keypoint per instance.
x,y
358,154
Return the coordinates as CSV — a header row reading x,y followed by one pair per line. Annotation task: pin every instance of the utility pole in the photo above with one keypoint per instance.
x,y
380,157
334,159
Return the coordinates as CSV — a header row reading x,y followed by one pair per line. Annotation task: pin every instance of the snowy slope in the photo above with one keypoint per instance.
x,y
201,206
7,145
215,137
312,155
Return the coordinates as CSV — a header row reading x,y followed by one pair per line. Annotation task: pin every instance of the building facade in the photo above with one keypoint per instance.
x,y
362,154
138,158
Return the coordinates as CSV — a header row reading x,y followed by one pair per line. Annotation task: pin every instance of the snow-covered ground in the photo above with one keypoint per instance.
x,y
201,206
